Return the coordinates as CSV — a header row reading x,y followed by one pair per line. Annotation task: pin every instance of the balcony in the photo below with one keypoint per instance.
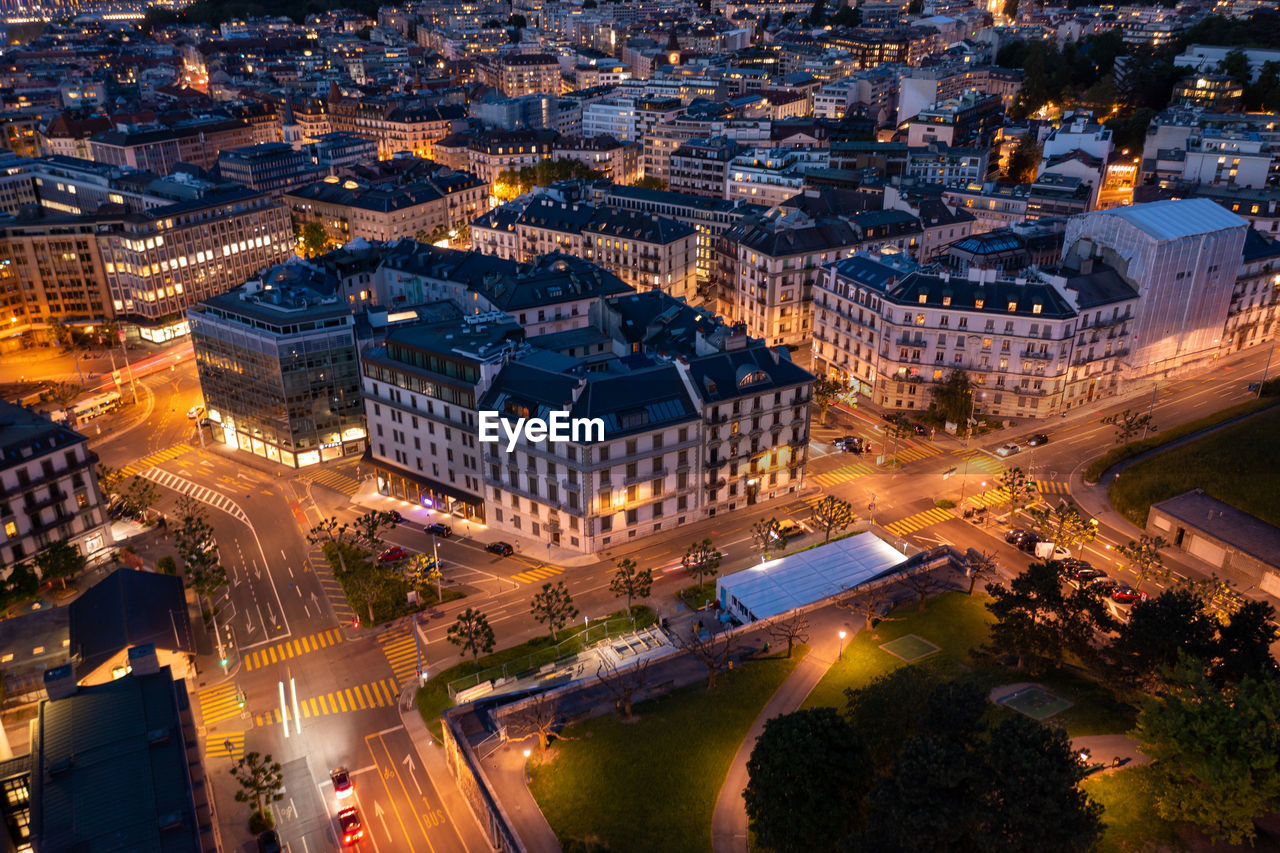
x,y
714,464
1039,356
34,506
715,419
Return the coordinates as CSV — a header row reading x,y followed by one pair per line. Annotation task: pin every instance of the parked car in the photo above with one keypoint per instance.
x,y
396,517
342,787
790,529
1085,576
1126,594
195,412
393,554
919,429
1037,440
1102,585
1028,543
502,549
269,842
1008,449
439,528
349,827
1071,565
1013,537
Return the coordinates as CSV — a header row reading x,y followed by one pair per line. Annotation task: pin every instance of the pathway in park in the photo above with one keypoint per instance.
x,y
729,823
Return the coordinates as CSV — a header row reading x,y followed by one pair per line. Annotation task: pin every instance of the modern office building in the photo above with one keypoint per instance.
x,y
49,487
270,167
277,364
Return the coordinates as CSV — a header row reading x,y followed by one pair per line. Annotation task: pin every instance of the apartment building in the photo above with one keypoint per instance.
x,y
615,160
938,163
767,177
968,120
430,205
517,74
397,124
157,148
1252,317
49,487
50,270
494,152
701,166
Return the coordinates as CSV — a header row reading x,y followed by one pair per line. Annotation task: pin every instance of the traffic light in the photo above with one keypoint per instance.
x,y
224,660
240,698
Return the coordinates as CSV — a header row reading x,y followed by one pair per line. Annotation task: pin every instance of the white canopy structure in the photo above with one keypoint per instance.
x,y
806,577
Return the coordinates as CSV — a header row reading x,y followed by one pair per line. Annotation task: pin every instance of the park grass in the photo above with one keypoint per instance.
x,y
954,621
434,699
652,784
959,624
388,590
694,597
1129,817
1116,455
1238,464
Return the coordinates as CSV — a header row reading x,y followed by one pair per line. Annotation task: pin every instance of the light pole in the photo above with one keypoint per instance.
x,y
840,656
128,368
1266,368
435,556
1155,386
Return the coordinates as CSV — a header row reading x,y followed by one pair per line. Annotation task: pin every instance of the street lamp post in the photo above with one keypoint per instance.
x,y
840,656
435,556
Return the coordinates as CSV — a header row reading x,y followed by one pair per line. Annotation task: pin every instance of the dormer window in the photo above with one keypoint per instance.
x,y
923,298
1035,309
978,303
946,301
1013,306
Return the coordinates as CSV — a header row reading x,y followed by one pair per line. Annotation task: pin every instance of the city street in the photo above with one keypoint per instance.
x,y
320,694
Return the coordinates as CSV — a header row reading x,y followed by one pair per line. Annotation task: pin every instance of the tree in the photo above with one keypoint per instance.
x,y
1236,65
896,429
978,565
518,21
1158,632
701,560
714,651
471,632
368,528
805,782
954,397
922,583
422,570
817,14
539,717
1215,751
1024,161
166,565
22,584
553,607
1016,489
831,515
1010,9
825,392
314,238
794,629
198,550
846,16
630,581
109,478
261,781
330,530
61,560
869,602
650,182
1063,526
1244,644
1128,424
889,710
624,682
140,495
766,537
1038,624
1142,557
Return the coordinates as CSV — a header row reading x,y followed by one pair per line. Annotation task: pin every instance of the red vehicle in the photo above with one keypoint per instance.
x,y
393,554
1126,594
349,825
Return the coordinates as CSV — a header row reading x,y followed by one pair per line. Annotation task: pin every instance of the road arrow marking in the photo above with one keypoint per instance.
x,y
408,760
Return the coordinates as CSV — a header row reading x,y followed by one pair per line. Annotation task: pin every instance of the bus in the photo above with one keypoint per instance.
x,y
88,409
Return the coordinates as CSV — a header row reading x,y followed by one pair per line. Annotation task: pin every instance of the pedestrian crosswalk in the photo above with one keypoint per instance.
x,y
292,648
538,575
219,703
919,521
843,474
989,498
229,746
980,461
402,654
333,478
1047,487
915,452
154,459
332,589
205,495
376,694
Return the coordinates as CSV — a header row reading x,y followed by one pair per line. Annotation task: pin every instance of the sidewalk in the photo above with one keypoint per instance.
x,y
729,822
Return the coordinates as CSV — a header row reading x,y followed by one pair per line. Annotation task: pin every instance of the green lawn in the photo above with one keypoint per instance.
x,y
1099,466
958,623
652,784
1129,815
1239,464
384,585
694,597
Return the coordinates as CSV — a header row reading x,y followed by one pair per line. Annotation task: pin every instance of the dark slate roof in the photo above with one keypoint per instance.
x,y
1237,528
868,272
645,227
1258,247
25,435
1102,286
819,237
742,372
636,401
996,296
128,608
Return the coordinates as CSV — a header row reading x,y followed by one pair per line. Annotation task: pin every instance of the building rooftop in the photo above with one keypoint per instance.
x,y
25,435
1242,531
128,608
1171,220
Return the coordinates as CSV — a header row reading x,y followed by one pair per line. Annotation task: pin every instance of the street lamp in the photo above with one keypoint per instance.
x,y
840,656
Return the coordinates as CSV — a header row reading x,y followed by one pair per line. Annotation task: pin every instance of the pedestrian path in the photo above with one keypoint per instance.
x,y
205,495
919,521
229,746
914,453
538,575
292,648
332,478
980,461
219,703
332,589
154,459
843,474
376,694
989,498
402,654
1047,487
